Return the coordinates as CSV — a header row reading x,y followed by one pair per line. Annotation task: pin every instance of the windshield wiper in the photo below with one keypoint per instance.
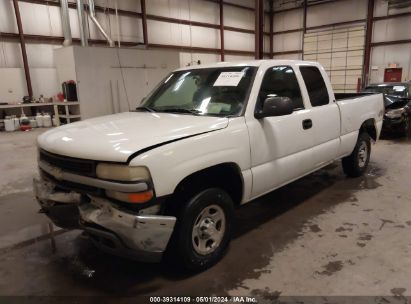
x,y
181,110
147,109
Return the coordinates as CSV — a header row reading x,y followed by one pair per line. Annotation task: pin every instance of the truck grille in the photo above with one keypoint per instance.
x,y
74,165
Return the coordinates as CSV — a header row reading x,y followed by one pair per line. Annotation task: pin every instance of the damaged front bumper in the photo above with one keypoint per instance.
x,y
139,237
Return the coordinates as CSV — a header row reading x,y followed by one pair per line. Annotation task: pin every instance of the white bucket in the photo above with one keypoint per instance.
x,y
39,120
47,121
9,125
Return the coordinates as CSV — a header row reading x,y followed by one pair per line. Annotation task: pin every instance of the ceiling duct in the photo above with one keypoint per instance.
x,y
82,23
92,13
65,21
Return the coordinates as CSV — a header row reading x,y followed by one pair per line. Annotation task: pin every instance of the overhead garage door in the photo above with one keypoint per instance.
x,y
341,52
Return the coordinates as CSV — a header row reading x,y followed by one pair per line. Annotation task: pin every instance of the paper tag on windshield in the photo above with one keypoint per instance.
x,y
229,79
399,88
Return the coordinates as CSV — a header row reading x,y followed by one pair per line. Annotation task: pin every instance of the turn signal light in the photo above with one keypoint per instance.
x,y
135,198
141,197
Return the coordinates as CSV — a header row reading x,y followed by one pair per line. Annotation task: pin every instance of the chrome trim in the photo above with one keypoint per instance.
x,y
59,174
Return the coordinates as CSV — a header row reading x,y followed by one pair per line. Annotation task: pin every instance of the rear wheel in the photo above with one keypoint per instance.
x,y
203,231
355,164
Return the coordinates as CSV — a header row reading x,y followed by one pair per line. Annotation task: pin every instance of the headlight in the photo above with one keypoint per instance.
x,y
122,173
396,113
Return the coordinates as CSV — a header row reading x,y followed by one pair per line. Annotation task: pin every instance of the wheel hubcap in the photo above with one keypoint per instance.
x,y
208,230
362,155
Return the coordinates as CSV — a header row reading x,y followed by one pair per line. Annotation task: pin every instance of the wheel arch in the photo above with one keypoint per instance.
x,y
369,127
226,176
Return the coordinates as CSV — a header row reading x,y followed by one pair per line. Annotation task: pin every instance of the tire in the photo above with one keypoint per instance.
x,y
207,215
356,164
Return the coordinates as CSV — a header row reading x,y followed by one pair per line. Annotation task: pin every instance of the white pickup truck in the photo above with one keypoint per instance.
x,y
168,176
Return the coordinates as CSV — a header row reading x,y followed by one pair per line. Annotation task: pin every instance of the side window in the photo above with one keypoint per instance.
x,y
315,86
281,81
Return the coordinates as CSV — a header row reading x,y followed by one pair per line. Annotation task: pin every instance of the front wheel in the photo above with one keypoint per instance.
x,y
355,164
204,229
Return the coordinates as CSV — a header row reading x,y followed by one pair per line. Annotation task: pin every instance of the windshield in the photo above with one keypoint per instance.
x,y
393,90
210,91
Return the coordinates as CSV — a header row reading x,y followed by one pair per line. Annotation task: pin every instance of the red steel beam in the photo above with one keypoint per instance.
x,y
393,42
368,38
23,49
305,16
288,52
271,30
144,21
393,16
222,29
259,29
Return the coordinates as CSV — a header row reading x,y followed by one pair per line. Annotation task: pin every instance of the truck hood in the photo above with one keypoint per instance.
x,y
116,137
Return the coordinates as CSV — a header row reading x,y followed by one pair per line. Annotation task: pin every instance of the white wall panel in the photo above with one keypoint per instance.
x,y
337,11
7,17
239,41
10,55
128,5
13,83
288,56
192,58
234,58
392,29
288,42
238,17
288,20
382,56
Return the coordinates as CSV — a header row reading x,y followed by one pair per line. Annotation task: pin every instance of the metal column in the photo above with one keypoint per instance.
x,y
23,48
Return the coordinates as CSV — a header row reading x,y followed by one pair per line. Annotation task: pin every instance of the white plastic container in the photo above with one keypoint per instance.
x,y
16,123
54,121
39,120
33,123
9,124
47,121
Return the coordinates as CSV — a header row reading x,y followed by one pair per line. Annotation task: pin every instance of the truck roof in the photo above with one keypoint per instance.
x,y
255,63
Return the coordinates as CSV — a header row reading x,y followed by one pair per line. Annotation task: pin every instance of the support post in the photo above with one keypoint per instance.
x,y
23,49
368,38
144,21
259,29
222,30
271,30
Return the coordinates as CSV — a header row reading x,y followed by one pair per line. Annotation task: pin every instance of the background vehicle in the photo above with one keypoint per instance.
x,y
397,104
206,140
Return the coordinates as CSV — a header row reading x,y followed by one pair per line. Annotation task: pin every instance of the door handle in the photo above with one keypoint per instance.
x,y
307,124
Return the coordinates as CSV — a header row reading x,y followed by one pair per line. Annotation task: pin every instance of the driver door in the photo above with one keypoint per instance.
x,y
280,146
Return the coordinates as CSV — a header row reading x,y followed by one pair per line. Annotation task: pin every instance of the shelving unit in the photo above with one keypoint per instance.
x,y
71,110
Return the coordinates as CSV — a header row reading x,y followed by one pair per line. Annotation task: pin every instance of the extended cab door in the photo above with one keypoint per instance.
x,y
280,146
324,114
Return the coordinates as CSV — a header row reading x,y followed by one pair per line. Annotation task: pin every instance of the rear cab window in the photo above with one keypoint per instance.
x,y
315,84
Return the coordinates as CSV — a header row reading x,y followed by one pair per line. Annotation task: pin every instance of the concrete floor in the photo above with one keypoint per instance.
x,y
324,235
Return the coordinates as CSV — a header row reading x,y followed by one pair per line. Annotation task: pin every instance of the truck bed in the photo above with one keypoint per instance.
x,y
342,96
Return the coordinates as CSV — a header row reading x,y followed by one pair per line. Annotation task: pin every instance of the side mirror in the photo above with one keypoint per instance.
x,y
276,106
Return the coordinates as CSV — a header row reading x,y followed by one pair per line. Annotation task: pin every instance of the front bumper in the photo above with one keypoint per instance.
x,y
393,124
139,237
